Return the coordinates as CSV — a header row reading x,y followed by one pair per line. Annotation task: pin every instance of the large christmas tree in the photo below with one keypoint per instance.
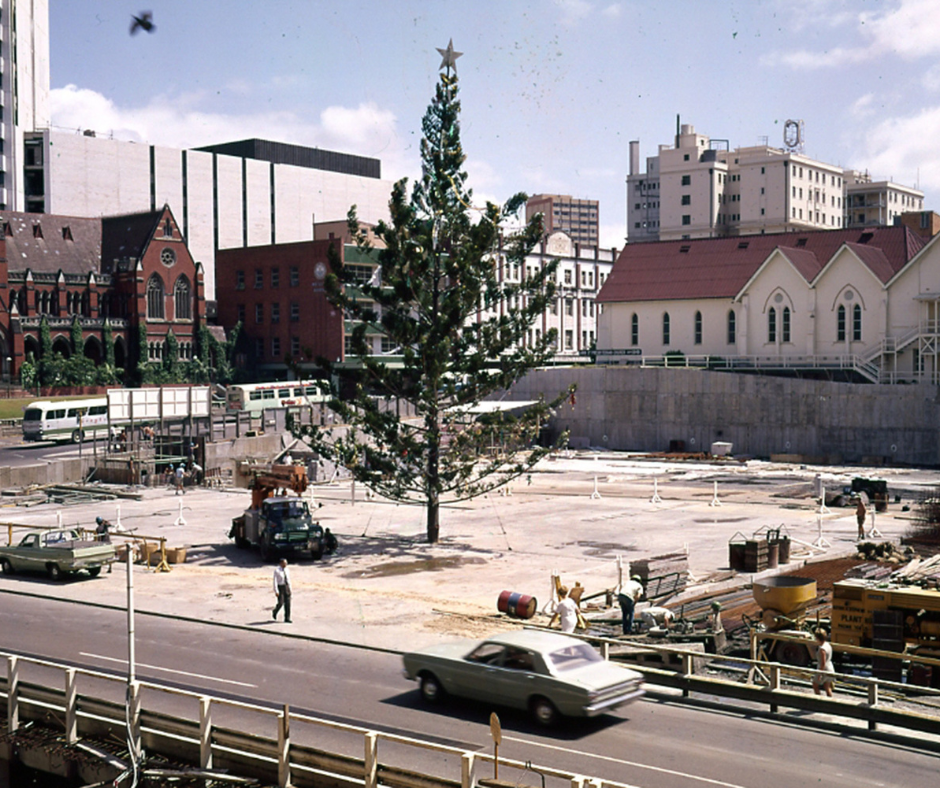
x,y
454,295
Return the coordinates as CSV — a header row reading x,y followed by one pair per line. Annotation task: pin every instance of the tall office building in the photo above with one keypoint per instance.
x,y
24,89
578,218
700,188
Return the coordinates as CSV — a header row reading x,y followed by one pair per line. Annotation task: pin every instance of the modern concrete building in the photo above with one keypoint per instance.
x,y
869,203
248,193
859,304
121,272
24,89
700,188
579,218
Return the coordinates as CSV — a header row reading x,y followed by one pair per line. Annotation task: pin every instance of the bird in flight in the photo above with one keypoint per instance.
x,y
144,21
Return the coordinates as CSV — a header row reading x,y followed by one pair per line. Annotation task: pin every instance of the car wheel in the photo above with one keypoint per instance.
x,y
242,543
5,566
77,436
54,572
431,689
544,711
94,571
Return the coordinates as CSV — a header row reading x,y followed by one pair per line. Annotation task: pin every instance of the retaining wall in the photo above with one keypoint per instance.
x,y
631,409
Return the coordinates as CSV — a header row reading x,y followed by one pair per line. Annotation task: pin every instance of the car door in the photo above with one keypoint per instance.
x,y
27,555
518,677
477,675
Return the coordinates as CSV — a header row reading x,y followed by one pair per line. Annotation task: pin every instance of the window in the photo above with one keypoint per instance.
x,y
259,279
294,312
240,313
239,280
772,325
686,219
259,348
275,346
168,229
732,327
584,309
666,328
569,307
182,299
294,276
840,324
698,328
156,298
857,323
295,347
686,180
259,313
786,324
634,330
686,199
567,277
275,313
569,339
555,306
275,277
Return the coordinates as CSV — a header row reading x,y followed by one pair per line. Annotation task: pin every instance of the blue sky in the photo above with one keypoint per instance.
x,y
552,91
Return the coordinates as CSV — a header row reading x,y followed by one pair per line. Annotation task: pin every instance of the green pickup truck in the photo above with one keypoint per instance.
x,y
57,553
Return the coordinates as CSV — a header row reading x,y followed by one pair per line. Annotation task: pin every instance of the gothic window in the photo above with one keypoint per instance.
x,y
182,297
156,299
698,328
786,324
840,323
772,325
634,330
666,328
732,327
857,323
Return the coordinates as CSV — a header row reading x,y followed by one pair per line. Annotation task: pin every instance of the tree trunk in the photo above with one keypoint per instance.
x,y
434,520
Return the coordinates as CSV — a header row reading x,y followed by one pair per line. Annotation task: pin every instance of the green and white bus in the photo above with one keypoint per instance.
x,y
73,419
255,397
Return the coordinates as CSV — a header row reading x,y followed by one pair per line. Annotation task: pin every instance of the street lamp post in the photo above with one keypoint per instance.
x,y
9,366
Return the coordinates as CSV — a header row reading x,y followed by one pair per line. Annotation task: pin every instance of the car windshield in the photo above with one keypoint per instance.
x,y
574,656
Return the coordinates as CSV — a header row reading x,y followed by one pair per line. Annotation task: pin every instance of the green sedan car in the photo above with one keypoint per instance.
x,y
547,673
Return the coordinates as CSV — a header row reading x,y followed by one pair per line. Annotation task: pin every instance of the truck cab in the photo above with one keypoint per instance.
x,y
283,524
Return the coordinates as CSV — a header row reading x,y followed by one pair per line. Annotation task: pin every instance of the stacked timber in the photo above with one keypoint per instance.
x,y
663,576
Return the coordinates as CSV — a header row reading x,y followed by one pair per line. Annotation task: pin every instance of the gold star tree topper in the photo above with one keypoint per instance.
x,y
449,56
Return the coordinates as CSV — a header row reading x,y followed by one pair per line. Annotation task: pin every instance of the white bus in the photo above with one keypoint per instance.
x,y
255,397
73,419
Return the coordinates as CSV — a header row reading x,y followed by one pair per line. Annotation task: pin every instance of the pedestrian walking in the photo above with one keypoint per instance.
x,y
860,516
630,593
180,473
282,590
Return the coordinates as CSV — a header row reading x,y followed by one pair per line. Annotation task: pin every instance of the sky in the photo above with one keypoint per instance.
x,y
552,91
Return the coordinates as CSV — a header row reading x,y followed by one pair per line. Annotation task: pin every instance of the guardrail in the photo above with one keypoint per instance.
x,y
269,758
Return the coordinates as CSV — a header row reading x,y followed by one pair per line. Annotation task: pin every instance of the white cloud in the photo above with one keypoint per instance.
x,y
909,29
573,11
862,107
175,121
904,149
612,11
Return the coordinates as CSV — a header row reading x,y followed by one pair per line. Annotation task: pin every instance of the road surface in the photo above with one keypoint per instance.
x,y
653,743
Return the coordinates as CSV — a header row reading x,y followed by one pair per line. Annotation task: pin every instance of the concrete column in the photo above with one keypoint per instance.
x,y
283,748
205,732
468,777
13,688
71,707
370,772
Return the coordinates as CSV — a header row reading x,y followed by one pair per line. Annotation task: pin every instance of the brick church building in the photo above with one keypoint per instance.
x,y
128,271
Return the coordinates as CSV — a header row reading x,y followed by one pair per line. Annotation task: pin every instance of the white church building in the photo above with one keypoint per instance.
x,y
852,304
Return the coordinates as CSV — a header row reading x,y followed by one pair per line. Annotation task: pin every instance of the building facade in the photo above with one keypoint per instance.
x,y
864,304
251,193
24,89
123,272
579,218
700,188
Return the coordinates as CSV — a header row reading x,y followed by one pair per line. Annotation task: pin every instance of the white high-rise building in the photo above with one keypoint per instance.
x,y
24,89
700,188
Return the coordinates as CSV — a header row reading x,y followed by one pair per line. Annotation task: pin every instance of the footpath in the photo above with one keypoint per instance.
x,y
578,515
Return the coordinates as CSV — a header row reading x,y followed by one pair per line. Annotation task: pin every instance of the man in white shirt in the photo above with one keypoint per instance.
x,y
566,611
282,590
630,593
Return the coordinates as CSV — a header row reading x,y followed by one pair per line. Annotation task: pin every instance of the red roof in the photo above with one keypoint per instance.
x,y
720,267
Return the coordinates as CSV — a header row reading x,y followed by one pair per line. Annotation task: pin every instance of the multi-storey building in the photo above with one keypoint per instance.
x,y
869,203
24,89
579,218
700,188
116,273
